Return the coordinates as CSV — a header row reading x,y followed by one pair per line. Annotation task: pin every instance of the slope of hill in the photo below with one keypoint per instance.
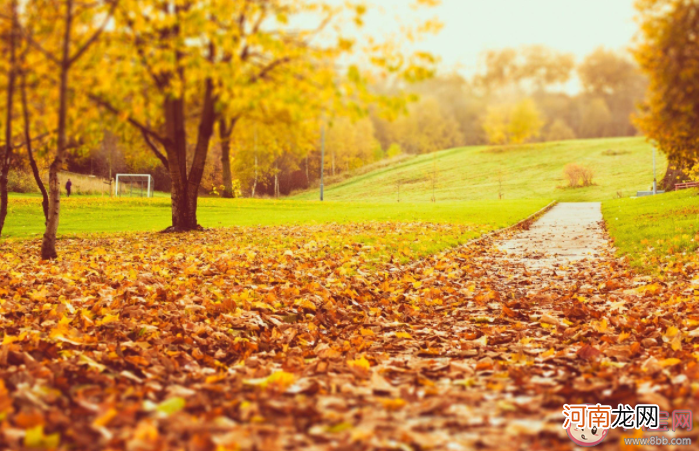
x,y
622,166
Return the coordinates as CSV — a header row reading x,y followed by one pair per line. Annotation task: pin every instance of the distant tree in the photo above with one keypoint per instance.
x,y
514,124
458,98
495,124
350,144
427,128
668,53
559,131
536,65
525,122
393,151
595,118
614,77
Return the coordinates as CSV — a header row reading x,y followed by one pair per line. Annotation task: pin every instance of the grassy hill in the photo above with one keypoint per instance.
x,y
621,165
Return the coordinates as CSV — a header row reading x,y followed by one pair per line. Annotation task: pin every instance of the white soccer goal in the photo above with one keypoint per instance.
x,y
134,185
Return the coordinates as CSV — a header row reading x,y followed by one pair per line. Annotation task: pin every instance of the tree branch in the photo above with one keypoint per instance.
x,y
269,68
94,37
154,148
139,125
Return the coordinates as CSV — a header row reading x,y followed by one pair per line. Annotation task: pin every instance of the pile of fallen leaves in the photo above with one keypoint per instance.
x,y
279,338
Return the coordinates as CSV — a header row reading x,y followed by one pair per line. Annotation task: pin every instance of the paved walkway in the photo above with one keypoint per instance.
x,y
568,232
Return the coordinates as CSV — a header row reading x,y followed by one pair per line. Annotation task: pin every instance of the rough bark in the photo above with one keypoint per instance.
x,y
206,131
30,151
185,187
225,130
177,161
5,156
48,245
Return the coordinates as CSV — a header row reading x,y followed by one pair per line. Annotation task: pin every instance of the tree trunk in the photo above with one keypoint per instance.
x,y
48,245
30,152
196,173
185,188
176,150
226,160
5,156
276,181
225,131
677,172
254,182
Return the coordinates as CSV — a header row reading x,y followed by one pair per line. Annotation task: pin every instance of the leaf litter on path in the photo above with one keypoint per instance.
x,y
262,339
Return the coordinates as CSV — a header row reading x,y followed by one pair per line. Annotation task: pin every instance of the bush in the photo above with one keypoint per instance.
x,y
578,175
21,182
394,150
559,131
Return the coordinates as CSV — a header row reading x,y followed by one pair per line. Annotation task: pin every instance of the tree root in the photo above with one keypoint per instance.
x,y
173,229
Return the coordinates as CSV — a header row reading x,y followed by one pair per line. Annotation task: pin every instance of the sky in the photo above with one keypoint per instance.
x,y
471,26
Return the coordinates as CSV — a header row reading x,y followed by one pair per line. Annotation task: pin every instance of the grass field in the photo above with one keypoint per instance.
x,y
659,233
621,165
84,215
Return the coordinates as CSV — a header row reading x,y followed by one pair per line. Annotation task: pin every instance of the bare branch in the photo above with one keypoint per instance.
x,y
144,129
154,148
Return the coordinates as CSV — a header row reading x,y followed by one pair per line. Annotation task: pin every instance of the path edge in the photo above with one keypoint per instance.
x,y
522,224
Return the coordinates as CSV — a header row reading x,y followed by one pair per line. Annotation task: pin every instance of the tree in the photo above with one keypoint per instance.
x,y
668,54
613,77
12,38
67,31
513,124
186,67
495,124
559,131
595,118
525,122
537,65
427,128
350,144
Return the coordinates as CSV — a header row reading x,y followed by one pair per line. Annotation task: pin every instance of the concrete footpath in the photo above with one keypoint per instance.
x,y
568,232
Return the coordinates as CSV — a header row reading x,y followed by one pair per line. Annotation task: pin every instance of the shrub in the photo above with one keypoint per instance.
x,y
394,150
559,131
587,175
578,175
21,182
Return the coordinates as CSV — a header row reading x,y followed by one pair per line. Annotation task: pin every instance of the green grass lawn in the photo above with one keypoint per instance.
x,y
80,215
621,165
658,233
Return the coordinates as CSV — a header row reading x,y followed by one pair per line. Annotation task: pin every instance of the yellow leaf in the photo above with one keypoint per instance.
x,y
623,336
359,363
676,342
105,418
601,326
403,335
393,404
670,362
279,379
108,319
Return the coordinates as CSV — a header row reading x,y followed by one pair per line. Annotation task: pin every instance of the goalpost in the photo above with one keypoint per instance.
x,y
133,185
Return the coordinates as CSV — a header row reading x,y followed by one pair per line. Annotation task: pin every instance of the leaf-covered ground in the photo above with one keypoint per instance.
x,y
282,338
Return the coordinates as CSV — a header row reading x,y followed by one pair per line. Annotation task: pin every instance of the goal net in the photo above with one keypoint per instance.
x,y
134,185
